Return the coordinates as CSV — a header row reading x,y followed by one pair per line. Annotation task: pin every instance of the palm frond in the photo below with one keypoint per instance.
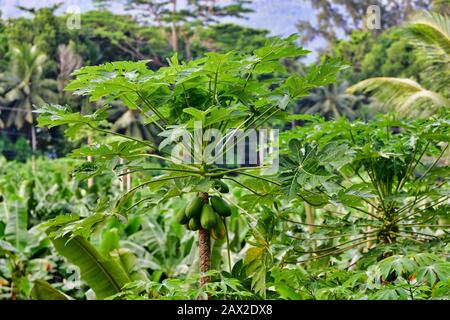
x,y
405,95
429,32
441,6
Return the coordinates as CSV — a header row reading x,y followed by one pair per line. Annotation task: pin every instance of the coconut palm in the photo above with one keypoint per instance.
x,y
22,86
332,100
430,33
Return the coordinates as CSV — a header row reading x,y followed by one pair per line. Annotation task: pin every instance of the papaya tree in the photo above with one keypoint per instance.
x,y
229,92
378,186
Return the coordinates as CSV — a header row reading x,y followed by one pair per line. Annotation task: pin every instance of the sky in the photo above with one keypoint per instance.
x,y
278,16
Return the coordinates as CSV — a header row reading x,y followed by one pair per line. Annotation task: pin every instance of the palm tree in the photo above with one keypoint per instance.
x,y
332,100
68,62
22,86
430,33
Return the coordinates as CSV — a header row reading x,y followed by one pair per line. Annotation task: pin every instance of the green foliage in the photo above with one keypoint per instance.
x,y
222,286
335,17
212,84
28,200
258,259
103,36
42,290
391,180
429,33
333,101
412,277
44,29
359,209
388,54
19,149
23,85
228,37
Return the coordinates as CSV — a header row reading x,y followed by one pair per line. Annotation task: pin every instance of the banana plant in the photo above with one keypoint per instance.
x,y
18,247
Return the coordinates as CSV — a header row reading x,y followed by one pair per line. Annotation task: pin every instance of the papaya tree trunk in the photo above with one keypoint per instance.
x,y
204,243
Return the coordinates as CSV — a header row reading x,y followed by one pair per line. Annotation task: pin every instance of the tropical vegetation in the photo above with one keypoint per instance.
x,y
110,188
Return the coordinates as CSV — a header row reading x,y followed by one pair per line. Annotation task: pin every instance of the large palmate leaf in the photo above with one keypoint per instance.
x,y
52,115
56,115
309,167
105,276
128,150
71,225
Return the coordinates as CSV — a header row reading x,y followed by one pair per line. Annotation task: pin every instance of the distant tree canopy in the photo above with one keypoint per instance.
x,y
337,18
180,21
369,55
388,53
44,29
103,37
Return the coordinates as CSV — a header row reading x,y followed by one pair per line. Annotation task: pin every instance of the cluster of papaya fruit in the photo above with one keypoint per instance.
x,y
198,215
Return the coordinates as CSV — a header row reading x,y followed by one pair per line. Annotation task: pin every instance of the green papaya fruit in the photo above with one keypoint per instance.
x,y
218,232
208,218
194,224
220,206
221,186
181,217
194,208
